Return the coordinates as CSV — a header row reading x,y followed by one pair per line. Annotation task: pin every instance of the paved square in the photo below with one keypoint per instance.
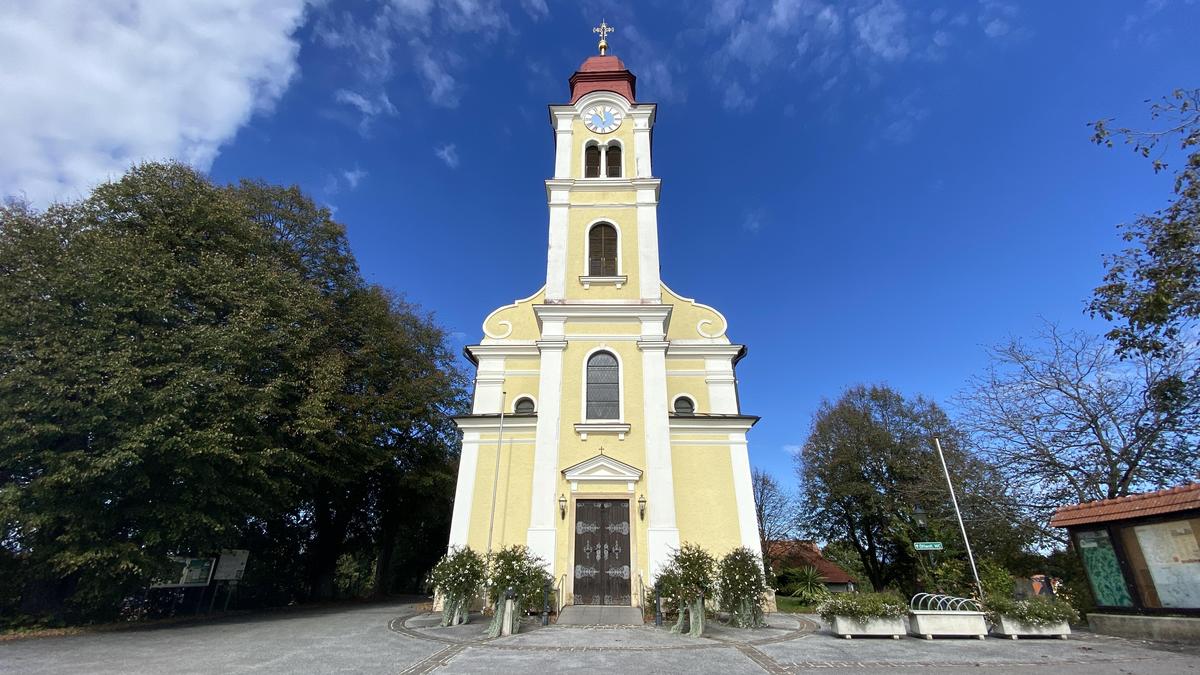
x,y
397,638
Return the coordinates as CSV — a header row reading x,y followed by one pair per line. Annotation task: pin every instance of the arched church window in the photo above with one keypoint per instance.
x,y
591,161
612,157
602,251
603,387
685,406
524,406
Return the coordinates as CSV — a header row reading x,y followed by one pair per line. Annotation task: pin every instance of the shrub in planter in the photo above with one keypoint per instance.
x,y
862,610
516,568
458,576
688,578
741,585
1034,613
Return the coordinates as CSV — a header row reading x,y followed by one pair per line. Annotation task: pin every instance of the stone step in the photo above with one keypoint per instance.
x,y
599,615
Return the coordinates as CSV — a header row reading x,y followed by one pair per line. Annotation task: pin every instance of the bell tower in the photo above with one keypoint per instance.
x,y
603,198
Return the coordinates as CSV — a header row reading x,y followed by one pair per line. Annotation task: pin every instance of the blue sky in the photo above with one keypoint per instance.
x,y
870,191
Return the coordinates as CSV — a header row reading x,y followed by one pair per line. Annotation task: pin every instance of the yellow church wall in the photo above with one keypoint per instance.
x,y
687,314
694,386
705,507
516,386
677,363
520,315
610,199
512,493
511,364
629,327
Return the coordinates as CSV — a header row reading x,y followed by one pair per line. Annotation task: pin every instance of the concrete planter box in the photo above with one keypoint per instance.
x,y
847,627
1011,628
933,623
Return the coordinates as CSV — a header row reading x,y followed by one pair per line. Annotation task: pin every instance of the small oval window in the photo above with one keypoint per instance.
x,y
524,406
685,406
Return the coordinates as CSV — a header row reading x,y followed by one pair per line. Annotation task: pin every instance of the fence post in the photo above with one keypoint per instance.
x,y
657,606
546,604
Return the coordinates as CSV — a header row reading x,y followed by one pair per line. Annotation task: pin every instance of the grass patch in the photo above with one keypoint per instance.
x,y
794,605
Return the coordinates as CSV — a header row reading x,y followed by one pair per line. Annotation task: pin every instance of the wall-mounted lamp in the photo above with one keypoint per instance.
x,y
642,507
562,506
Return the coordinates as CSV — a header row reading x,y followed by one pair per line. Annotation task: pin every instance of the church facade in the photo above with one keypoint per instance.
x,y
605,428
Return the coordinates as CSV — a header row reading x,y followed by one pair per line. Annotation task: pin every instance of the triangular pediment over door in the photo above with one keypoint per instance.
x,y
602,469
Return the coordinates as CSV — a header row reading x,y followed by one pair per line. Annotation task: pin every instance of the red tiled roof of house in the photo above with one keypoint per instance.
x,y
794,553
1182,498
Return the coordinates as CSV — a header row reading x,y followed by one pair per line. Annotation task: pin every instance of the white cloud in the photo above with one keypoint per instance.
x,y
793,450
901,117
448,153
369,108
443,88
736,98
90,88
536,9
881,30
353,176
753,220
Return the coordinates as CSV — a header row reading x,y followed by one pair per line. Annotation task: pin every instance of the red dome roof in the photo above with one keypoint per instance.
x,y
603,73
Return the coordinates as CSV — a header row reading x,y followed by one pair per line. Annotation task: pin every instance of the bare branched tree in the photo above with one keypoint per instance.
x,y
1067,420
776,512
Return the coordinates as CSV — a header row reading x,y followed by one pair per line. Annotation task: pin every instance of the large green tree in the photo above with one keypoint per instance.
x,y
868,468
1151,290
189,367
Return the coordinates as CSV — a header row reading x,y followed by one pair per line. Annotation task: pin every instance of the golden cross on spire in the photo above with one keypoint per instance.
x,y
603,29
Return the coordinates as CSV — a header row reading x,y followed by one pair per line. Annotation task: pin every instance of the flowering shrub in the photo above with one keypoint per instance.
x,y
863,606
688,578
516,568
1036,611
458,576
741,585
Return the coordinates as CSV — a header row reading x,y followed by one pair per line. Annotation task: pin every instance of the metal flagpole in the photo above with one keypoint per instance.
x,y
496,474
954,500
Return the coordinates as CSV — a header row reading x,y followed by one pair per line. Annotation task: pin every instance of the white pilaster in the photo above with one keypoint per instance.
x,y
641,146
464,492
647,224
743,492
543,502
722,385
563,141
662,532
489,386
556,255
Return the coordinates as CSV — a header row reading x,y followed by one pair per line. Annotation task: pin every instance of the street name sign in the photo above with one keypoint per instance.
x,y
927,545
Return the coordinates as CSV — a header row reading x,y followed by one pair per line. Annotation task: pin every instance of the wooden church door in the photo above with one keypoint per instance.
x,y
602,564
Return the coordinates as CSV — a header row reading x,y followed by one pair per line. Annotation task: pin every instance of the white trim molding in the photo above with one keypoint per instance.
x,y
617,281
602,469
598,427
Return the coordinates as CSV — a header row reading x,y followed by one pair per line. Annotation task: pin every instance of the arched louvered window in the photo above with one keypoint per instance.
x,y
602,251
603,387
524,406
612,157
591,161
685,406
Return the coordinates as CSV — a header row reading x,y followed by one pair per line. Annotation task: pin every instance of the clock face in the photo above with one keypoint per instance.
x,y
602,119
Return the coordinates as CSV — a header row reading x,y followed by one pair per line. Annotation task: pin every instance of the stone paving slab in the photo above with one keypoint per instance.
x,y
1080,653
487,661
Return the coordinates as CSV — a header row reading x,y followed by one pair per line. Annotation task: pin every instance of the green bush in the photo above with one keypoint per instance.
x,y
863,606
741,585
996,580
1037,611
804,583
458,576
